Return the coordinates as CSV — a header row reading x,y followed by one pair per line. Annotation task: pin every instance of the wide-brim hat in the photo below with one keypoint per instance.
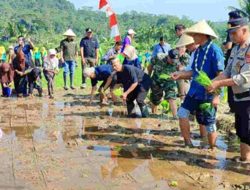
x,y
184,41
69,32
201,27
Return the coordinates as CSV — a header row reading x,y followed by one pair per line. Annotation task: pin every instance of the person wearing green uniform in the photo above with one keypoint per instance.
x,y
163,64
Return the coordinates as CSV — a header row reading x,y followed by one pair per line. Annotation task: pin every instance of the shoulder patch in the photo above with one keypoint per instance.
x,y
247,57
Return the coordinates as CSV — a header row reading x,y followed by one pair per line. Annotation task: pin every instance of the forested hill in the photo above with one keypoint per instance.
x,y
44,20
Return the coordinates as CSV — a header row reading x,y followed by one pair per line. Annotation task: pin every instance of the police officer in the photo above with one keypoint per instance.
x,y
237,75
228,45
163,64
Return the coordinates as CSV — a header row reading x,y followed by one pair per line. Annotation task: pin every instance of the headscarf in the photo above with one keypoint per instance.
x,y
6,73
20,59
130,52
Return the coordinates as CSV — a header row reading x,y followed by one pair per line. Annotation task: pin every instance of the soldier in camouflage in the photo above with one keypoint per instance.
x,y
163,64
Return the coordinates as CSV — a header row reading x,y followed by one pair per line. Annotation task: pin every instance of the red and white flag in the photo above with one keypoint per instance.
x,y
113,23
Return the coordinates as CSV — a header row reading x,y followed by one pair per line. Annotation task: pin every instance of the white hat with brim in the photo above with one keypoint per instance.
x,y
201,27
52,52
69,32
131,31
184,41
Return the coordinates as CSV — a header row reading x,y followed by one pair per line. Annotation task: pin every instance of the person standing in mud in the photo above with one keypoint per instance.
x,y
136,85
228,46
209,59
50,69
34,77
188,42
69,55
163,64
237,75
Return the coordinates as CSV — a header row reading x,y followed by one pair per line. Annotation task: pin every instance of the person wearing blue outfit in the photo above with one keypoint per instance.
x,y
96,74
209,59
26,48
161,47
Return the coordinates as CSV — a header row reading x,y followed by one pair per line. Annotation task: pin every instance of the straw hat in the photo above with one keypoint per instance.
x,y
184,41
201,27
69,32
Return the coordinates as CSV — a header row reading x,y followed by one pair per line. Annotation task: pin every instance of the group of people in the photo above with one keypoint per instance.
x,y
178,68
22,69
172,73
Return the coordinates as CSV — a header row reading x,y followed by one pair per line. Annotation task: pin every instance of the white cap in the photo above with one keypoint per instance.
x,y
52,52
131,31
88,71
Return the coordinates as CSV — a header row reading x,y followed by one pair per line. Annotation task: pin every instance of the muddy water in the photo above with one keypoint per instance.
x,y
67,144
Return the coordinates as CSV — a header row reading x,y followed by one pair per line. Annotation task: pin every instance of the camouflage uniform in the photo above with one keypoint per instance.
x,y
160,86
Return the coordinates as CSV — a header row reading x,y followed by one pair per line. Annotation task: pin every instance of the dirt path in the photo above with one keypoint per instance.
x,y
64,144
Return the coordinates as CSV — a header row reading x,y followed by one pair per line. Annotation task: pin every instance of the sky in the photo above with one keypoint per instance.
x,y
214,10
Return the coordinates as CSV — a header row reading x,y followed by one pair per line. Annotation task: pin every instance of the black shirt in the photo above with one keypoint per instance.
x,y
89,46
130,75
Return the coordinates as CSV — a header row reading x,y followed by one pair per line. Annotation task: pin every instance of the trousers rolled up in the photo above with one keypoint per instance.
x,y
139,94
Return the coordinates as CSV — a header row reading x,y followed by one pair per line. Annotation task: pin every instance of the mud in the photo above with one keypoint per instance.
x,y
65,144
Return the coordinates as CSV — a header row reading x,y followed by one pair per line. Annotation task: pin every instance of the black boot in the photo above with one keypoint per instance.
x,y
65,81
71,77
130,107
